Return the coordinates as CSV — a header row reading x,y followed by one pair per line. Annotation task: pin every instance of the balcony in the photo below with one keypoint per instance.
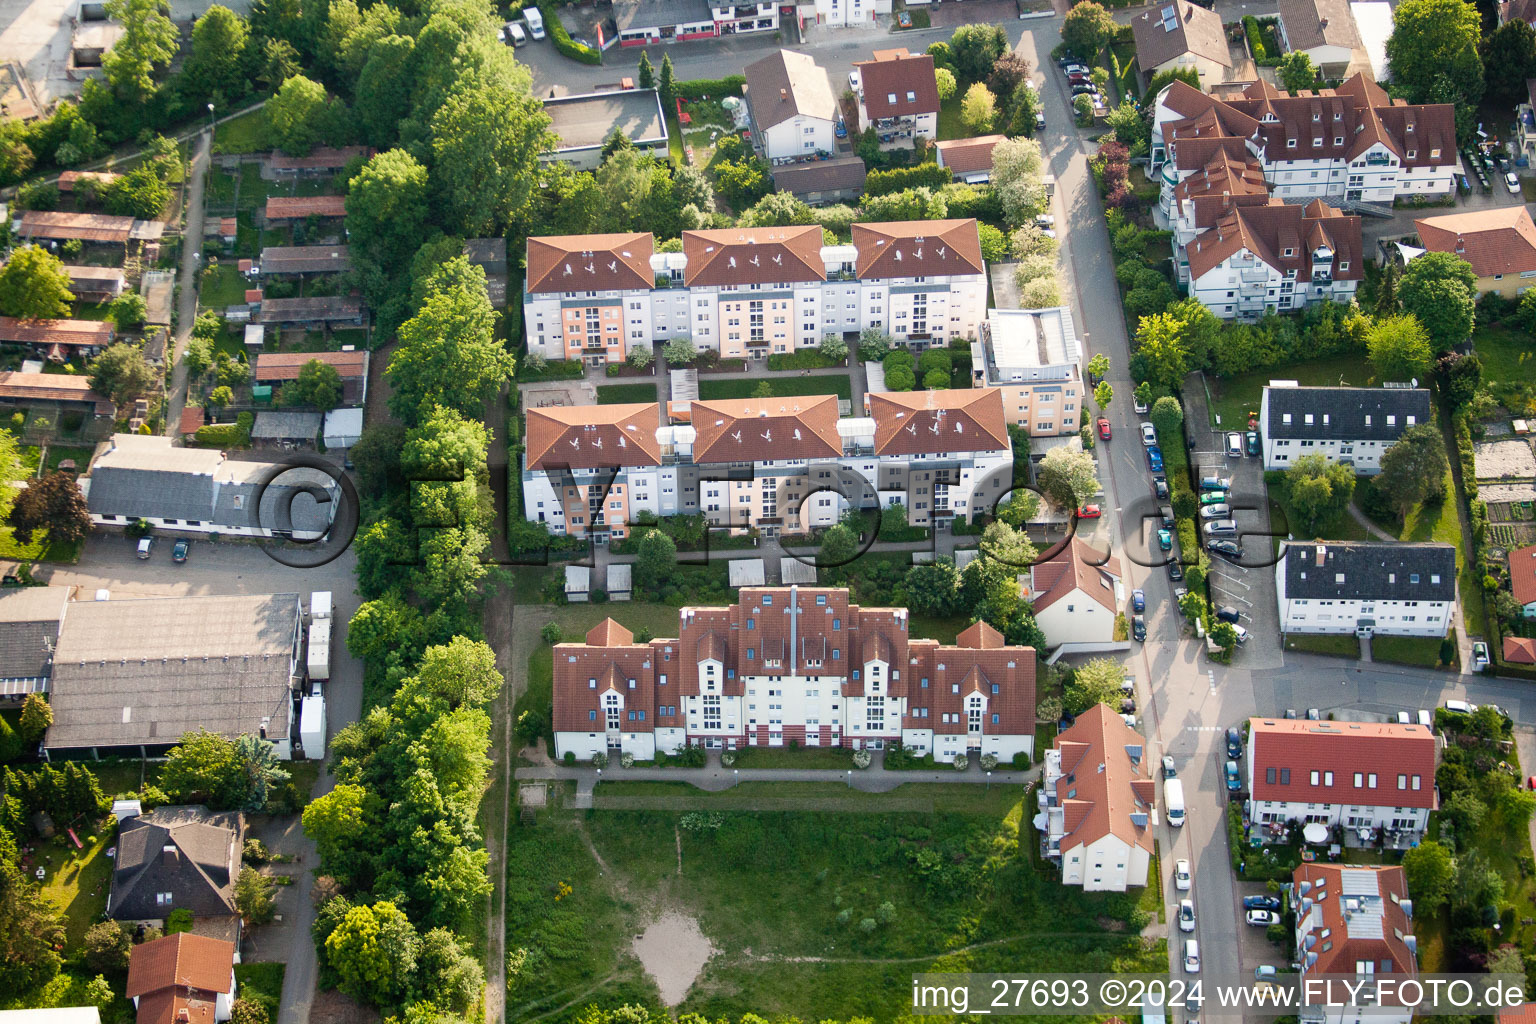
x,y
1377,160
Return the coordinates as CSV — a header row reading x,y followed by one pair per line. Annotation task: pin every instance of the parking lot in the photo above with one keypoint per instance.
x,y
109,562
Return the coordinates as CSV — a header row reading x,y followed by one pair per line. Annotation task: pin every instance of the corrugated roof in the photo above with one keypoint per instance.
x,y
305,259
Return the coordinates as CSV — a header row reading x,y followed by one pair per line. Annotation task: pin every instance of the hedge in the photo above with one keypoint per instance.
x,y
804,359
555,369
711,88
227,435
898,179
564,44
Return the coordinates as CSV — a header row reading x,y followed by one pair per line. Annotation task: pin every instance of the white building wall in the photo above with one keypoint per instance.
x,y
1391,618
1078,618
1414,819
799,136
1107,865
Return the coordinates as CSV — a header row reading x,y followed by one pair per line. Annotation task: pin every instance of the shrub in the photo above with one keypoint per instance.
x,y
1255,38
551,633
626,760
899,179
569,758
962,762
564,44
711,88
599,760
861,759
988,762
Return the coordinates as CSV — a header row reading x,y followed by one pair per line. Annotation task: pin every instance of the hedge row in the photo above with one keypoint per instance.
x,y
555,369
564,44
899,179
711,88
803,359
1256,47
227,435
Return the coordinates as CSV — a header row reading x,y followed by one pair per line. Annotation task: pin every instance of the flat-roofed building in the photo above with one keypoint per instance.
x,y
1034,358
586,121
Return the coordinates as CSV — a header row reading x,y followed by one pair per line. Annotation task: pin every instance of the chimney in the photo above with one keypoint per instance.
x,y
783,95
169,856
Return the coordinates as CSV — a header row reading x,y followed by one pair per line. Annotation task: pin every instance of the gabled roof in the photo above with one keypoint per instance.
x,y
788,84
760,429
286,365
1313,23
1286,752
182,960
734,256
576,263
841,172
1355,914
1501,240
1225,182
51,387
1284,236
899,84
1368,570
29,629
920,248
609,633
1517,10
1519,650
88,227
981,636
1522,574
55,332
1175,28
319,158
305,259
187,851
1107,783
968,156
589,436
1344,414
1077,567
927,422
294,207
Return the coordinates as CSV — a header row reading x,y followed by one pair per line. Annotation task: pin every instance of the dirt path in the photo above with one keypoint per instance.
x,y
191,278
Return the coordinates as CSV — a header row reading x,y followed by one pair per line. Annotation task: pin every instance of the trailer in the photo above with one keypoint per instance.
x,y
318,662
312,726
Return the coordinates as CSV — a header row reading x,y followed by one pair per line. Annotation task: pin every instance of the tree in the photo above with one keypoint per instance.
x,y
839,546
253,896
945,80
680,351
34,284
1317,492
1414,469
387,205
833,347
54,504
220,396
647,73
1431,39
934,588
1509,58
128,310
1224,635
976,49
248,1011
935,380
1087,29
1017,180
148,43
1002,543
1094,682
1460,377
204,768
1008,72
448,353
107,945
1399,348
279,62
667,83
1131,127
122,374
978,109
1386,289
458,673
1296,72
486,141
1098,366
219,64
1067,475
383,96
297,116
1103,395
373,951
1476,884
1168,417
318,384
141,192
335,822
30,927
1161,350
1440,289
448,976
874,344
36,714
260,771
1143,394
655,560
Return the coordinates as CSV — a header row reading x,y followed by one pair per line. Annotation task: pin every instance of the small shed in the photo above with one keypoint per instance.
x,y
255,336
619,574
747,572
343,428
578,583
192,419
286,426
794,571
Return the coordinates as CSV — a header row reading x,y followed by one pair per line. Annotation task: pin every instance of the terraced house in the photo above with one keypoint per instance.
x,y
775,464
793,665
752,291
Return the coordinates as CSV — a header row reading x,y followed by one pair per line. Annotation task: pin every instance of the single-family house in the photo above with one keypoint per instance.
x,y
178,857
183,978
898,97
1499,242
844,13
1522,579
1325,31
1356,921
968,160
1181,35
1366,588
1354,426
1519,650
1076,595
1098,804
794,113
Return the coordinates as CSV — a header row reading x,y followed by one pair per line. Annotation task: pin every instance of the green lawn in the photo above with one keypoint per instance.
x,y
950,124
1342,646
78,880
57,453
1509,366
621,394
1438,521
781,387
222,286
804,757
41,549
1407,650
243,134
1232,398
944,630
260,983
1342,526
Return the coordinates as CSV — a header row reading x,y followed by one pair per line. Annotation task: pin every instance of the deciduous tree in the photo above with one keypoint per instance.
x,y
298,116
976,48
374,952
34,283
1399,348
1414,469
945,80
387,207
1067,475
122,374
1094,682
219,64
1431,39
1296,72
1440,289
1317,492
336,823
253,896
934,588
486,141
55,504
1087,29
1509,58
448,353
318,385
655,561
148,43
979,109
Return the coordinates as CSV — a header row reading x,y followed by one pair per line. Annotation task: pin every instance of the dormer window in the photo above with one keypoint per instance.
x,y
1290,252
1412,153
1338,140
1290,143
1316,116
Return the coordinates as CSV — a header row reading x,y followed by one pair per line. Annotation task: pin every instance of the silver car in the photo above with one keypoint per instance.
x,y
1220,510
1148,434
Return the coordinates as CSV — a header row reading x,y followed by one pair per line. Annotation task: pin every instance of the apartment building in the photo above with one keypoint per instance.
x,y
648,22
1366,588
1278,257
1499,243
751,291
1035,360
1358,775
1355,920
780,465
793,111
845,13
1349,144
1198,202
798,665
1355,426
898,97
1098,804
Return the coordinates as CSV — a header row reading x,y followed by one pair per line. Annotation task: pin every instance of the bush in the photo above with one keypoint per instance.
x,y
899,179
711,88
1255,38
551,633
564,44
861,759
803,359
226,435
962,762
599,760
570,758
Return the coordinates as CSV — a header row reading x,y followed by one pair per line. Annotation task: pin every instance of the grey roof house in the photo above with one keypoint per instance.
x,y
1366,587
1350,425
29,631
824,181
131,676
199,490
179,857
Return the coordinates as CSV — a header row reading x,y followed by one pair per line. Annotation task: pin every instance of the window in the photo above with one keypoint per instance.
x,y
1315,776
1402,782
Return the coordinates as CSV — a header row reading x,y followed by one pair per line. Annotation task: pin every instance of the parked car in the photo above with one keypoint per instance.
x,y
1165,514
1512,182
1175,570
1138,600
1479,655
1090,512
1084,89
1128,706
1155,459
1530,783
1502,713
1148,434
1216,510
840,129
1039,120
1216,483
1129,720
1461,707
855,81
1290,712
515,34
1220,528
1214,498
1178,598
1262,918
1226,613
1234,445
1181,877
1264,972
1104,431
1228,549
1261,903
1242,634
1191,956
146,546
1139,406
180,549
1253,443
1234,742
1186,915
1403,718
1160,486
1165,540
1234,781
1072,67
1169,772
1139,628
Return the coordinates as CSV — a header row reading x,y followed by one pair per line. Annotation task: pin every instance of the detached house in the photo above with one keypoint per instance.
x,y
1350,425
182,857
1098,804
898,97
1522,579
1359,775
182,979
1366,587
1355,920
1181,35
1076,596
1500,243
794,114
1325,31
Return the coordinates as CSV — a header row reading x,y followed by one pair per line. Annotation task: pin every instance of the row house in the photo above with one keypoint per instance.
x,y
1098,804
647,22
1355,921
1035,359
776,464
1349,144
1354,426
1277,257
898,95
1356,775
751,291
844,13
793,665
1366,588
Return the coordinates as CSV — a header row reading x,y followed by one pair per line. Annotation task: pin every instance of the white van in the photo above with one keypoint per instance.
x,y
515,34
1426,719
1173,799
535,19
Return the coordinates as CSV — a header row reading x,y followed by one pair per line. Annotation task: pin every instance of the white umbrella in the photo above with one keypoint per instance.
x,y
1315,832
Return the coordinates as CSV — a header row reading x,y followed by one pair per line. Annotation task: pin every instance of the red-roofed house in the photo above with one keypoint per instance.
x,y
1077,595
1522,579
1354,920
1525,1013
898,97
182,979
794,665
1500,243
1353,774
1519,650
1098,804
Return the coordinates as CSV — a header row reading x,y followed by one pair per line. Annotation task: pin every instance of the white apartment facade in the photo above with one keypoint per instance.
x,y
748,292
898,96
1355,426
1274,258
844,13
1366,588
1035,359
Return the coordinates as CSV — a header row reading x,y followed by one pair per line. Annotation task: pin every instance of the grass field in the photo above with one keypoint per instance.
x,y
782,387
622,394
1509,366
1342,526
805,757
950,124
243,134
1232,398
825,916
1407,650
222,286
77,880
261,983
943,630
57,453
1342,646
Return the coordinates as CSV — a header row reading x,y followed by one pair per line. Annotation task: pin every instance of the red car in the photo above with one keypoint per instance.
x,y
1104,434
1089,512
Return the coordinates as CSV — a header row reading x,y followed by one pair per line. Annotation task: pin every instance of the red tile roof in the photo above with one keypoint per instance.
x,y
1221,185
182,961
588,436
319,158
921,248
899,84
1268,232
1495,241
968,156
1076,567
736,256
1354,914
1519,650
1398,755
760,429
577,263
55,332
1522,574
192,417
294,207
286,365
1110,785
1525,1013
51,387
88,227
927,422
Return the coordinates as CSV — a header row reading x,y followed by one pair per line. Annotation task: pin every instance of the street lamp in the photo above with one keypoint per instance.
x,y
850,780
989,782
736,775
210,117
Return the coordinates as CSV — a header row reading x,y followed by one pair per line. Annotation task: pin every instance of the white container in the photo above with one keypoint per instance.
x,y
319,660
320,605
312,727
1173,800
